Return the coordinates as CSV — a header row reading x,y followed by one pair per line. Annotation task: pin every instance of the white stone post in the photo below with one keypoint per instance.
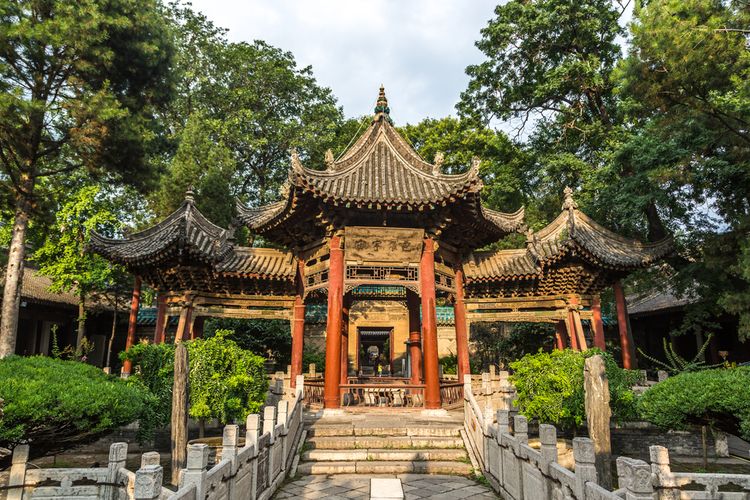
x,y
229,442
118,453
150,458
282,418
197,461
18,471
269,416
585,464
548,448
148,482
521,429
635,476
503,422
252,430
300,386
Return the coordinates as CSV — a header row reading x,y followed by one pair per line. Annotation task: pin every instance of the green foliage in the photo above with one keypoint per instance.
x,y
226,382
270,338
716,398
55,404
313,355
677,364
449,364
154,371
550,387
500,343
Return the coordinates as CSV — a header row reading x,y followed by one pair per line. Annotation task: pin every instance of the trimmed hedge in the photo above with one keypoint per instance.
x,y
55,404
718,398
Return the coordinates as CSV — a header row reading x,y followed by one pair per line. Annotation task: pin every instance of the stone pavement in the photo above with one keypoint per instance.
x,y
416,486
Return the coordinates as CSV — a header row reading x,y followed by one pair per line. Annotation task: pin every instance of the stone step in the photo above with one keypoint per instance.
x,y
348,430
385,467
383,442
383,455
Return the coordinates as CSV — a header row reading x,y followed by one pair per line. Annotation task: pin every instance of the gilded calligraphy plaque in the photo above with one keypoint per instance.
x,y
383,245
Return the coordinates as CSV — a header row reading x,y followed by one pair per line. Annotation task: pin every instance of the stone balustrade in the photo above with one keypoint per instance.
x,y
499,443
253,471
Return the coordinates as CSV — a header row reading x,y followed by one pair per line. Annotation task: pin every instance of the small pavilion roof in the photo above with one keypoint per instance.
x,y
381,170
264,263
185,232
572,234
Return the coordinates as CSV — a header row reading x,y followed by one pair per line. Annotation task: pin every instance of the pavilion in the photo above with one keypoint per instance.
x,y
381,223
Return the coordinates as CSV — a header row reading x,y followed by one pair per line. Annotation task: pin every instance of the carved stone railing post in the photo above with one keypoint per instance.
x,y
635,476
148,482
503,422
197,461
282,417
18,471
118,453
300,387
548,445
150,458
269,416
312,370
229,442
521,429
585,464
252,430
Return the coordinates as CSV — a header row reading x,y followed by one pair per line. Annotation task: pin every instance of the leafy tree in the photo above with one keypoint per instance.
x,y
226,382
550,387
80,84
500,343
55,405
460,141
64,258
719,399
269,338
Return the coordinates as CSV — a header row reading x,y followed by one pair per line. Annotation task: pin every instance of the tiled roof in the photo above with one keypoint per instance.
x,y
266,263
572,233
185,232
35,288
659,300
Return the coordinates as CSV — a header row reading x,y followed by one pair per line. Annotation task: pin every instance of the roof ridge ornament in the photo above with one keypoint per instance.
x,y
475,162
190,194
381,106
437,163
569,203
329,159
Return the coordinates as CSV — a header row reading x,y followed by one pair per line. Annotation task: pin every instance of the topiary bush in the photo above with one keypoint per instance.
x,y
717,398
55,404
550,387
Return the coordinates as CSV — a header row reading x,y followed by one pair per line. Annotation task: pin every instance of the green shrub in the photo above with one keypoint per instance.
x,y
449,364
550,387
226,382
154,370
313,355
717,398
56,404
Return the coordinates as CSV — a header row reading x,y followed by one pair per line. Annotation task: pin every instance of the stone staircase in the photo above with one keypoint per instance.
x,y
384,444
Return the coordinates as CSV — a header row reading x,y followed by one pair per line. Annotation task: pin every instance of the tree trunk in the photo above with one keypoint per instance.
x,y
112,335
179,422
656,230
81,320
14,276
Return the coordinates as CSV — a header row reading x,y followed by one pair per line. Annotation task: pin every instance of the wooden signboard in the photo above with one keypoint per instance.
x,y
382,245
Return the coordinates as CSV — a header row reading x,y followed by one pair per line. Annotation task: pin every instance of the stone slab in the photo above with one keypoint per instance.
x,y
386,489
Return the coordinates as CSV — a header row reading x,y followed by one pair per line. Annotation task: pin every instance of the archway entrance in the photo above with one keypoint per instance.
x,y
375,351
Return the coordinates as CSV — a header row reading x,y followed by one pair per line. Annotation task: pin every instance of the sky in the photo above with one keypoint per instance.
x,y
418,49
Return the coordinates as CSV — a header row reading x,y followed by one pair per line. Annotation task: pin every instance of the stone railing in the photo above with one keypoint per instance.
x,y
253,471
518,471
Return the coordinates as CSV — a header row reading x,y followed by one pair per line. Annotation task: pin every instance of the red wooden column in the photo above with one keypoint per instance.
x,y
345,342
415,337
135,302
161,318
429,326
332,376
575,327
629,361
596,322
462,335
571,330
298,325
561,337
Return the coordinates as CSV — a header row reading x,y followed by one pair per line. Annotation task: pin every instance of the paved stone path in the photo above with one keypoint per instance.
x,y
416,486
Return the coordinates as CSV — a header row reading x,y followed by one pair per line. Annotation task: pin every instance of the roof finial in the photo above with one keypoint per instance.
x,y
329,159
381,106
569,203
189,194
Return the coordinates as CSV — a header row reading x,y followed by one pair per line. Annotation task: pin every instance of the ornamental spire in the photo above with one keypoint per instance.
x,y
381,106
569,203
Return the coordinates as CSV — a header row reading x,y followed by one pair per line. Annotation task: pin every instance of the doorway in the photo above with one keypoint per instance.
x,y
375,353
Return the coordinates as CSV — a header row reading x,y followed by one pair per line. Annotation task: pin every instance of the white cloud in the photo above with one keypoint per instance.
x,y
418,49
